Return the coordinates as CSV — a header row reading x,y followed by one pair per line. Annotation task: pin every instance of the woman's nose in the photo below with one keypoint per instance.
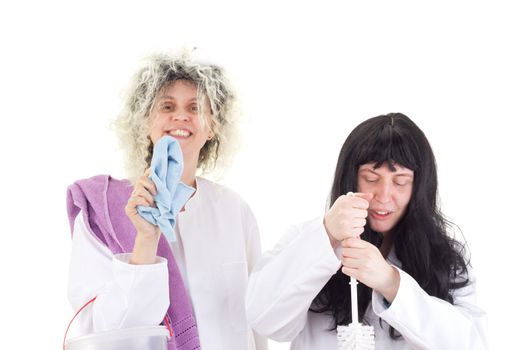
x,y
383,193
180,116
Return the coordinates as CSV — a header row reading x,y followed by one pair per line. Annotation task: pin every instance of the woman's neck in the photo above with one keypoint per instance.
x,y
190,169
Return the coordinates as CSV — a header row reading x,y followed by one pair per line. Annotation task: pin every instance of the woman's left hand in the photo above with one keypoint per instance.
x,y
364,261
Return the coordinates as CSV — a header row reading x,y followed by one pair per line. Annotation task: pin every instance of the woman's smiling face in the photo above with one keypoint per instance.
x,y
176,113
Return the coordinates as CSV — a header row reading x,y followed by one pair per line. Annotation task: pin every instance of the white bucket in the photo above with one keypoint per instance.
x,y
138,338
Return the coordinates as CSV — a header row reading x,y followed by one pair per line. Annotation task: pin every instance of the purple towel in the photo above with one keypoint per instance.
x,y
102,199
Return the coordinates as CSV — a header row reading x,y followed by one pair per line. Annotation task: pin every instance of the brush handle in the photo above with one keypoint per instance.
x,y
353,288
353,295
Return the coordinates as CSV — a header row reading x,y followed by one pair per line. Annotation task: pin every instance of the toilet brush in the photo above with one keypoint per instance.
x,y
355,336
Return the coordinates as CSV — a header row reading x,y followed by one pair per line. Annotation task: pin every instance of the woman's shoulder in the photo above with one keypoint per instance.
x,y
97,191
100,185
102,199
218,192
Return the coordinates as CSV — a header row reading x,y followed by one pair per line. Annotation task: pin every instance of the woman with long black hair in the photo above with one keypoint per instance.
x,y
416,286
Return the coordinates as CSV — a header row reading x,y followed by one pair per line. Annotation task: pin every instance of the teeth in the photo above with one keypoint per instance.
x,y
180,132
381,212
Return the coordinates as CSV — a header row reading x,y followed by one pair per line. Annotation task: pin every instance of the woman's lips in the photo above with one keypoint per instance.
x,y
380,214
180,133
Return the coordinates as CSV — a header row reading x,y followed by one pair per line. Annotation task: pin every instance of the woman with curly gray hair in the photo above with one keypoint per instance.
x,y
195,284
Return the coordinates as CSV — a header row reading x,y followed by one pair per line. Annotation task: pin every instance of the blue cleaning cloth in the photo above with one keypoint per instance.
x,y
166,170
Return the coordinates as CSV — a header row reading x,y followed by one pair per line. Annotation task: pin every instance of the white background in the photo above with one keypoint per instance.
x,y
307,74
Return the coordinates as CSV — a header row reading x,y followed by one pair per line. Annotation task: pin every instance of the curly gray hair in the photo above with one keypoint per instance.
x,y
158,72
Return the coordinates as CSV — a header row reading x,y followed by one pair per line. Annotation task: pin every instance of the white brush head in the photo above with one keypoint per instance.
x,y
355,336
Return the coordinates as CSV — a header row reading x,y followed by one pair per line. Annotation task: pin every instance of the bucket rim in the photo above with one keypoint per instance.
x,y
122,333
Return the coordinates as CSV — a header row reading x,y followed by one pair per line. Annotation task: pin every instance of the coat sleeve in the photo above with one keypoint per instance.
x,y
286,279
127,295
253,254
428,322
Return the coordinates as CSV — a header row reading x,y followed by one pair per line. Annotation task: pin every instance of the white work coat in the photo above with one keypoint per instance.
x,y
286,279
217,246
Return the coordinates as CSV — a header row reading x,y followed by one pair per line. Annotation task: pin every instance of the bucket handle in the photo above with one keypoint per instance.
x,y
70,322
166,321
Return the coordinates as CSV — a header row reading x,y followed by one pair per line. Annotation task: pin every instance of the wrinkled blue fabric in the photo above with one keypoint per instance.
x,y
166,170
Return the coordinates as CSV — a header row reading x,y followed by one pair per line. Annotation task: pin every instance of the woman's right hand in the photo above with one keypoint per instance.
x,y
347,216
147,239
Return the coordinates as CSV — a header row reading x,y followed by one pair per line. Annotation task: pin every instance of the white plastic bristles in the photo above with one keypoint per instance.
x,y
355,336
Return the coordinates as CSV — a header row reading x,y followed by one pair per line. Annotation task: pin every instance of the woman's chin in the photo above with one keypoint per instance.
x,y
382,227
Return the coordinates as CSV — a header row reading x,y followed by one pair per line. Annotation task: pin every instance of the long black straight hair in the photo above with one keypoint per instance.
x,y
426,252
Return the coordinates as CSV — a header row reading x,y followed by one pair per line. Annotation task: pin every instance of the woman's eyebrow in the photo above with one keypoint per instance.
x,y
169,97
400,174
404,175
369,170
